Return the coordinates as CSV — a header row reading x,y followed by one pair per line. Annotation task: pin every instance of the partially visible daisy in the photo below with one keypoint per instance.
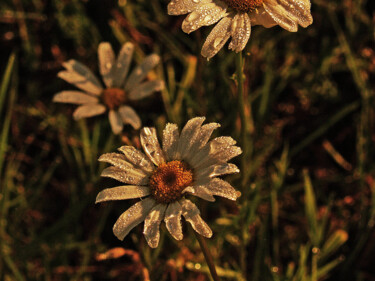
x,y
119,89
235,18
187,163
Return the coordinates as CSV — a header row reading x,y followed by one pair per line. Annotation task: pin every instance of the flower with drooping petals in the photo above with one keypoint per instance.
x,y
186,164
120,89
235,18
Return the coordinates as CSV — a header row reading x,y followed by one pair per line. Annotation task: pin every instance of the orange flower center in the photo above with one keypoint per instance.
x,y
113,97
169,180
244,6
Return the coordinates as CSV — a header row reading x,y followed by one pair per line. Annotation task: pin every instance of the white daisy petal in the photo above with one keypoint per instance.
x,y
120,161
132,217
222,188
121,68
141,71
180,7
79,75
192,215
122,192
217,38
188,134
106,61
199,191
130,176
241,29
152,224
75,97
88,110
115,121
300,10
151,146
261,17
170,141
137,158
217,170
203,15
172,220
145,89
280,15
129,116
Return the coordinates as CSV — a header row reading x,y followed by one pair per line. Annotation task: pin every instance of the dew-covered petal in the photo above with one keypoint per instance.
x,y
106,60
200,191
181,7
132,217
298,9
152,224
122,193
188,135
151,146
129,116
217,38
222,188
141,71
241,29
145,89
217,170
81,76
88,110
76,97
261,17
192,214
170,141
115,121
280,15
172,220
204,15
121,68
137,158
130,176
120,161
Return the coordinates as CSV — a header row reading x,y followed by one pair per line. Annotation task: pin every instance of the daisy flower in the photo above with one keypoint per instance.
x,y
187,163
119,89
235,18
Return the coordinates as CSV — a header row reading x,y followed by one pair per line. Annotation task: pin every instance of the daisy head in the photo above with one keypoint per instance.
x,y
234,19
120,88
185,164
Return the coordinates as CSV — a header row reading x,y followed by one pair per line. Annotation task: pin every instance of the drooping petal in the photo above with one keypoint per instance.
x,y
188,135
216,170
151,146
181,7
152,224
129,116
141,71
280,15
218,36
79,75
200,191
130,176
145,89
222,188
132,217
76,97
137,158
170,141
172,220
122,193
121,68
106,61
115,121
261,17
241,29
88,110
120,161
299,9
192,215
204,15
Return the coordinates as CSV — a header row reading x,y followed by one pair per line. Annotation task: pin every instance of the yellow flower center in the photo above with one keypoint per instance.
x,y
113,97
169,180
244,6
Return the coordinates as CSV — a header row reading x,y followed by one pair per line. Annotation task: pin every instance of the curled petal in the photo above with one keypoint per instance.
x,y
172,220
280,15
132,217
300,10
129,116
122,192
241,29
75,97
88,110
152,224
130,176
200,191
192,215
217,170
151,146
261,17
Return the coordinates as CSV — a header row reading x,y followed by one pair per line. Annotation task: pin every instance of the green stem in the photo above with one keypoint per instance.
x,y
207,256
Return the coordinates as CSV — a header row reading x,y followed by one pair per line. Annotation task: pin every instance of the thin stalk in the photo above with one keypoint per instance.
x,y
207,256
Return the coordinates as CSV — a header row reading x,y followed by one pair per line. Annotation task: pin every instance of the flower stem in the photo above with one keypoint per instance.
x,y
207,256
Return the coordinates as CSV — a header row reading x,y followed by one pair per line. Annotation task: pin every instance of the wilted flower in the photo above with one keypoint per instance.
x,y
235,18
186,164
120,89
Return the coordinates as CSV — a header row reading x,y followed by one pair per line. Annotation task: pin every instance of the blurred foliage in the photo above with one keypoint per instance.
x,y
307,210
